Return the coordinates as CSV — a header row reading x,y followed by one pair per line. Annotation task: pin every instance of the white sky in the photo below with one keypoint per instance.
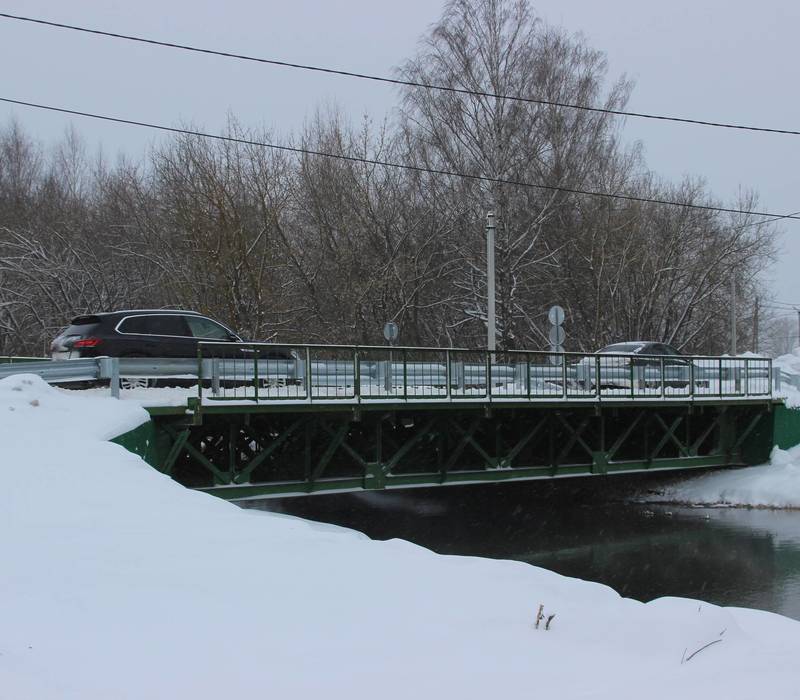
x,y
718,60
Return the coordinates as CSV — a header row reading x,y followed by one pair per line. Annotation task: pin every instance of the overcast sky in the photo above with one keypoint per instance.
x,y
717,60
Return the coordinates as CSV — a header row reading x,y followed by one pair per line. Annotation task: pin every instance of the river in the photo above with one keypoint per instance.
x,y
735,557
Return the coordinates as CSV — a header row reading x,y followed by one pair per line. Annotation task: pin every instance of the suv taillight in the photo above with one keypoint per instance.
x,y
87,343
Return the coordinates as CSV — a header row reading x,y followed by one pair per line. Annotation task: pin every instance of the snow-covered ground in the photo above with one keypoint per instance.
x,y
789,366
117,583
774,485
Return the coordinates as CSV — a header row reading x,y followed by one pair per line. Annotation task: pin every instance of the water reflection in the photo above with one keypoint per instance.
x,y
746,558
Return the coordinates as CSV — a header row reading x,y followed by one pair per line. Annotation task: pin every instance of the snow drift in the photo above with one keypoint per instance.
x,y
772,485
118,583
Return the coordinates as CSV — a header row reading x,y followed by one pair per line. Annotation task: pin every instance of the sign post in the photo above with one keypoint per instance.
x,y
557,334
491,323
391,331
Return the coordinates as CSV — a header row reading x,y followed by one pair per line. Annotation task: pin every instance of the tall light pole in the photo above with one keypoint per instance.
x,y
798,329
733,311
491,323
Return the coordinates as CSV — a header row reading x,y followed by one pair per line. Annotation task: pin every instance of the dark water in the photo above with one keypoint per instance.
x,y
737,557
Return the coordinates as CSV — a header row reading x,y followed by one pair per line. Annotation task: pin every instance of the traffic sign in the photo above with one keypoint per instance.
x,y
556,315
390,331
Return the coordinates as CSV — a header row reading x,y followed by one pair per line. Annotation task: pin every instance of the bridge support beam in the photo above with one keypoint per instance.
x,y
246,451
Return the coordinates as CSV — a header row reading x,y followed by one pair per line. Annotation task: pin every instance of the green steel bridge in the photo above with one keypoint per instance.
x,y
281,421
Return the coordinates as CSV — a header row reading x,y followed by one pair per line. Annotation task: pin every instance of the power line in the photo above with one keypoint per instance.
x,y
402,166
398,81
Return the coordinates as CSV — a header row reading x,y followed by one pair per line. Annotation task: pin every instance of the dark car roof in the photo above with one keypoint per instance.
x,y
85,318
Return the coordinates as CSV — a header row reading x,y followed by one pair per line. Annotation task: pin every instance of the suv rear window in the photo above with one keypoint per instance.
x,y
157,324
82,328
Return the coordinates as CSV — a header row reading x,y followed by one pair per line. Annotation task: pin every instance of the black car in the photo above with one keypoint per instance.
x,y
145,333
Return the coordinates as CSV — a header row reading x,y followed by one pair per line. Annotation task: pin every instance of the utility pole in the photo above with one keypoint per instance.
x,y
733,312
755,328
491,324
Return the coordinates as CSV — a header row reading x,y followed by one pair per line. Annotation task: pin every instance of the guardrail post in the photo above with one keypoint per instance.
x,y
113,375
214,376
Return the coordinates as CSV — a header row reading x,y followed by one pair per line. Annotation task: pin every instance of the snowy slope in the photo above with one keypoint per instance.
x,y
773,485
117,583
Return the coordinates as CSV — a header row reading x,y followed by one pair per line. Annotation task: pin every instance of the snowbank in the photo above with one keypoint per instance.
x,y
117,583
789,366
774,485
789,363
30,405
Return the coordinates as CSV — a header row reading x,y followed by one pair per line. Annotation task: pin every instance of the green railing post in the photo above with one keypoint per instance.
x,y
447,372
630,365
488,364
356,376
307,375
663,380
527,384
720,377
256,355
746,377
405,374
769,377
597,376
199,374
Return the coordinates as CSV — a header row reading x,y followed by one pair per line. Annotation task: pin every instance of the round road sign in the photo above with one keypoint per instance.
x,y
556,315
390,331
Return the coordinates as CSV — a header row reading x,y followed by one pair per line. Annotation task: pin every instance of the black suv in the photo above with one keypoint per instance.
x,y
142,333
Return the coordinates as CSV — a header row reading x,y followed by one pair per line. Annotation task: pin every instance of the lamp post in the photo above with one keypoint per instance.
x,y
733,312
491,323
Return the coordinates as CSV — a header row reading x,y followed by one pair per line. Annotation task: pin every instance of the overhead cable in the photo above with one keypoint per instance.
x,y
402,166
398,81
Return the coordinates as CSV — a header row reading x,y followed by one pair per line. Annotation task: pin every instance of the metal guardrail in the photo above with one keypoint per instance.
x,y
9,359
264,371
359,373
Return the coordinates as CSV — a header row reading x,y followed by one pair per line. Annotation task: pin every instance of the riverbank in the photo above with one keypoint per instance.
x,y
774,485
119,583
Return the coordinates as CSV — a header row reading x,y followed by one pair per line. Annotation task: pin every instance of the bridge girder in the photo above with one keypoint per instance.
x,y
237,453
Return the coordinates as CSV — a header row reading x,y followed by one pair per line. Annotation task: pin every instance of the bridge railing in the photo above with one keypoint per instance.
x,y
266,371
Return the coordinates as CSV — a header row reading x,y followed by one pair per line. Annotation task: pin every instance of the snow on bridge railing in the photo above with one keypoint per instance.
x,y
272,372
